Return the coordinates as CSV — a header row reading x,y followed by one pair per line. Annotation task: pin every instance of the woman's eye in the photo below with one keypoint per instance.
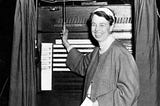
x,y
102,25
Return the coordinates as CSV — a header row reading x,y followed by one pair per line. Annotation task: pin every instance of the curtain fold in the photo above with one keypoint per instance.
x,y
147,51
23,73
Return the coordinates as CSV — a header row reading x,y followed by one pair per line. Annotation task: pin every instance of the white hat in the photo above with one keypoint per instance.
x,y
107,11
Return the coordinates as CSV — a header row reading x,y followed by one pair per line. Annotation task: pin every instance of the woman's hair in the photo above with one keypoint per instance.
x,y
109,18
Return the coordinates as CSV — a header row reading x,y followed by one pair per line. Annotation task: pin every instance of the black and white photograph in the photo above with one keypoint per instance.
x,y
79,53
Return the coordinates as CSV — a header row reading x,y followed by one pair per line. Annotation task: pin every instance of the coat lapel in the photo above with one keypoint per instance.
x,y
91,70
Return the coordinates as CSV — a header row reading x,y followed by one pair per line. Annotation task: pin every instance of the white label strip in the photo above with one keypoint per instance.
x,y
63,50
59,60
122,35
61,69
46,80
75,41
78,46
59,64
59,55
123,26
59,50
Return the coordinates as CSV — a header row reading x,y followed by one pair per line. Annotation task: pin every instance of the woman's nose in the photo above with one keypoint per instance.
x,y
97,28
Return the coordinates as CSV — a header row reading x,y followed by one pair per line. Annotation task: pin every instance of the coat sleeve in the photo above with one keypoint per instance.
x,y
126,91
77,61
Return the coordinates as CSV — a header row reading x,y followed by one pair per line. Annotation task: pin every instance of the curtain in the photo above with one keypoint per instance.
x,y
23,77
147,51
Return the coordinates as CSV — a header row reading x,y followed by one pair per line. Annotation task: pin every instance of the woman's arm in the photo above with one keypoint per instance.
x,y
76,61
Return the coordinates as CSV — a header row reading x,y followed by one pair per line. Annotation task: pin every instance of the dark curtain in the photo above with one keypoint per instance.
x,y
147,51
23,77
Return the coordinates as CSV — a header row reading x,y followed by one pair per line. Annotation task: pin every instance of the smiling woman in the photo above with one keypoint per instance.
x,y
111,74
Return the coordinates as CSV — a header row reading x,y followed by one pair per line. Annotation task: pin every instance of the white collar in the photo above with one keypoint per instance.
x,y
106,44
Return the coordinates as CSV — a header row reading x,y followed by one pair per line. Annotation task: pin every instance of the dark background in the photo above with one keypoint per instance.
x,y
7,9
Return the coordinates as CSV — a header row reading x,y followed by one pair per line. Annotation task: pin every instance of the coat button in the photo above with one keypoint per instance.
x,y
93,99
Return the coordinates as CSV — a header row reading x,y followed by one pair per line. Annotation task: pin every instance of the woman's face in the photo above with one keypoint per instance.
x,y
100,28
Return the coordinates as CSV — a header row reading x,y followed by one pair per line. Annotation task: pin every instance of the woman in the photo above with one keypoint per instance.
x,y
111,74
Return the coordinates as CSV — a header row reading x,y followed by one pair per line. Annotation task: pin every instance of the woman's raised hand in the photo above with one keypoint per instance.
x,y
65,37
